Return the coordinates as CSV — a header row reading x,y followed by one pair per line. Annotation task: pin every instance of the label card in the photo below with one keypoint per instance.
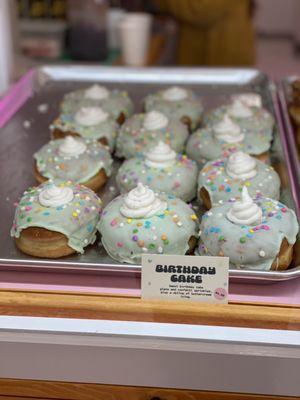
x,y
193,278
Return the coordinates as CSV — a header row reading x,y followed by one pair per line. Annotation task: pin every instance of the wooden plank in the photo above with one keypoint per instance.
x,y
87,306
78,391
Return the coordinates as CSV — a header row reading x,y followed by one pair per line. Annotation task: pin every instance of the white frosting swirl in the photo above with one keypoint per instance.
x,y
155,120
228,130
239,109
160,156
89,116
174,93
71,147
241,166
96,92
142,202
249,99
55,196
245,212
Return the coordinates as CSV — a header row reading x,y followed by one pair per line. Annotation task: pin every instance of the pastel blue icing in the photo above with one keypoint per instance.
x,y
76,220
244,244
126,239
52,165
134,140
221,187
179,179
117,102
203,146
261,120
107,129
189,107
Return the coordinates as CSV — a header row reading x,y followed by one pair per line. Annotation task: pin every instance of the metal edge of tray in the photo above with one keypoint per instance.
x,y
153,75
243,276
293,161
217,76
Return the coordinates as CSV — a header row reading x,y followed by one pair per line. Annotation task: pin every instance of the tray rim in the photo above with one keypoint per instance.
x,y
234,76
291,143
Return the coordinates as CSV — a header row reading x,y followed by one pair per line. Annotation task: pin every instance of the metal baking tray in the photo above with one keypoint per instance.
x,y
26,131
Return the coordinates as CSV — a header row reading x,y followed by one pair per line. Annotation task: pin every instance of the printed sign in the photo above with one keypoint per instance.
x,y
194,278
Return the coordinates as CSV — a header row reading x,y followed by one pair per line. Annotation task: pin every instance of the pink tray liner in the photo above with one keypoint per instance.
x,y
16,97
279,293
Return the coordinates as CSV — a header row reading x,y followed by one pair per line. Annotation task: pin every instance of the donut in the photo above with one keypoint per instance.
x,y
82,161
226,137
115,102
256,234
53,221
87,122
143,131
163,170
246,111
141,222
179,102
222,180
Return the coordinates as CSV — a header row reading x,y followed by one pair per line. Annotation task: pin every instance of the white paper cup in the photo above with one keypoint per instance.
x,y
135,37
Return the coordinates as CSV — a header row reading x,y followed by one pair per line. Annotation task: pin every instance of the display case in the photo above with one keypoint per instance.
x,y
83,317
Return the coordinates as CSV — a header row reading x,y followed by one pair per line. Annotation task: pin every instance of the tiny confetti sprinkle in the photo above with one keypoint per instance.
x,y
242,240
129,220
119,244
164,237
135,238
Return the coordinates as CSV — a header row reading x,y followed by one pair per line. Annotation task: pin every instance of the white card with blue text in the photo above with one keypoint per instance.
x,y
192,278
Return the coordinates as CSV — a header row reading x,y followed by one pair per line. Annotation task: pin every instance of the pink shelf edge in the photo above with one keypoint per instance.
x,y
16,96
279,293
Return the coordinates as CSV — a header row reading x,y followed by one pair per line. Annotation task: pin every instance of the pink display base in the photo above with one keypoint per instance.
x,y
287,293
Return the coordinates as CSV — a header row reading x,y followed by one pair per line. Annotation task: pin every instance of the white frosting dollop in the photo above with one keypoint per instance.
x,y
55,196
174,93
71,147
249,99
160,156
90,116
96,92
155,120
142,202
228,130
245,212
241,166
239,109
